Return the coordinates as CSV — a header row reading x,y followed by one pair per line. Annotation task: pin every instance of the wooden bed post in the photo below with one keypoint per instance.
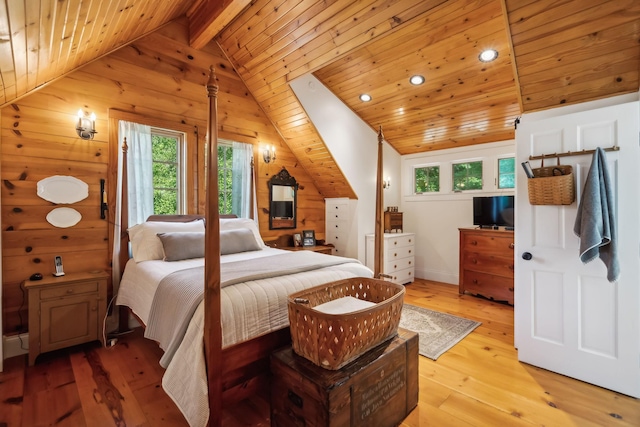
x,y
123,255
212,311
379,231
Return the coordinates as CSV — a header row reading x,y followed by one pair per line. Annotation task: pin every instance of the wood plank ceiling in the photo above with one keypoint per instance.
x,y
550,53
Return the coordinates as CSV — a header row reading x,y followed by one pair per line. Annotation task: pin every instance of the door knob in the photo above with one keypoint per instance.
x,y
527,256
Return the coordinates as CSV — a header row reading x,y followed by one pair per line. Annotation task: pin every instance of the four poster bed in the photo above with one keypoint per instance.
x,y
242,313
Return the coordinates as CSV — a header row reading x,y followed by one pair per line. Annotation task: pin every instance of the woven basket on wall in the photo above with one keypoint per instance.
x,y
333,340
552,185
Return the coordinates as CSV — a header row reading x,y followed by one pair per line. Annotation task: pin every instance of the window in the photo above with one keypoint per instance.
x,y
235,178
225,177
507,172
166,155
426,179
467,176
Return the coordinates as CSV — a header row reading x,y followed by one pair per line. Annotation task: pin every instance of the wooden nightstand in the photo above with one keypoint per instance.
x,y
65,311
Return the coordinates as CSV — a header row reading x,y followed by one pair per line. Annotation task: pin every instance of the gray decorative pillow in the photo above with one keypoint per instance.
x,y
238,240
182,245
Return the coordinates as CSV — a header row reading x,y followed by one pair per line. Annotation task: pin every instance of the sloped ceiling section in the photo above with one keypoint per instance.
x,y
43,40
550,53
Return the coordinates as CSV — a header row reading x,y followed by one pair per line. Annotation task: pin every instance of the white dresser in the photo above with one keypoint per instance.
x,y
340,226
399,256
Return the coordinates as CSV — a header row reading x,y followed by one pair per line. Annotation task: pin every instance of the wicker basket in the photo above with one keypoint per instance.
x,y
552,185
333,340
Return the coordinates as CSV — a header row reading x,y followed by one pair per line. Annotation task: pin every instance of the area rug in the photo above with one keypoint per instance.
x,y
438,332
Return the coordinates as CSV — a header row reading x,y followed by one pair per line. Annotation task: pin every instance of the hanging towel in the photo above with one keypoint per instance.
x,y
596,219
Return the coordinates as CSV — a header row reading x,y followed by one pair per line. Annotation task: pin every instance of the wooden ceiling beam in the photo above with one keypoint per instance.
x,y
210,17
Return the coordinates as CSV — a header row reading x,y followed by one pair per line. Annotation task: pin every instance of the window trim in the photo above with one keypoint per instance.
x,y
182,164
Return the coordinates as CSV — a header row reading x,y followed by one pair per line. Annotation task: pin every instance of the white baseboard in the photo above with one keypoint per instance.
x,y
15,345
438,276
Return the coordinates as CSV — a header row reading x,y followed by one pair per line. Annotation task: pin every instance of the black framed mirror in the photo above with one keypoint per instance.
x,y
283,200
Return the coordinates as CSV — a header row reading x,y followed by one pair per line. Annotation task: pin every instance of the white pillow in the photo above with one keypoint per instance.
x,y
146,245
235,223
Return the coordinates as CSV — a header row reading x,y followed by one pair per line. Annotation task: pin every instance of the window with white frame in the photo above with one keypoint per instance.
x,y
426,179
167,147
225,177
467,176
507,172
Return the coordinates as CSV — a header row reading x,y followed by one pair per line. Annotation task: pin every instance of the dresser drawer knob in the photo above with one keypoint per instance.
x,y
395,243
511,267
474,242
409,251
336,225
473,260
410,263
70,291
475,281
511,246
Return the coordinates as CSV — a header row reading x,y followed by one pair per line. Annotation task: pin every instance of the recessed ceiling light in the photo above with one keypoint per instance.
x,y
416,80
365,97
488,55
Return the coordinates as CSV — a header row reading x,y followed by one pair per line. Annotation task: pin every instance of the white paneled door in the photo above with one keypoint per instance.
x,y
568,318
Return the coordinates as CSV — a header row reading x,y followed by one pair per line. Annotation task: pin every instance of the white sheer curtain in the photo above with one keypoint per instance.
x,y
242,192
139,168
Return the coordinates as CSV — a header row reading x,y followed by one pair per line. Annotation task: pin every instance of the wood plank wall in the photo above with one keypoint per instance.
x,y
157,76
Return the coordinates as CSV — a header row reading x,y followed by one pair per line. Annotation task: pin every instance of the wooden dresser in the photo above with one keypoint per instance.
x,y
398,255
486,263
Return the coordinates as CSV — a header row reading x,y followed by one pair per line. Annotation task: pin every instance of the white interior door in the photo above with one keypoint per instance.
x,y
568,318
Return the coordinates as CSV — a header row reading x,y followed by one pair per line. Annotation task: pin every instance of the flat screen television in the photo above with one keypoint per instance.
x,y
493,210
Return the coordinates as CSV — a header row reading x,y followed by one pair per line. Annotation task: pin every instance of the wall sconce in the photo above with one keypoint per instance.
x,y
269,154
386,183
86,125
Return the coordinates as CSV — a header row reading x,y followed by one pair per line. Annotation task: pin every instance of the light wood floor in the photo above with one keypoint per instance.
x,y
479,382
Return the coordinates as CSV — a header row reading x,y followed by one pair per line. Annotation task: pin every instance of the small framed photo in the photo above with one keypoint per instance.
x,y
308,238
297,240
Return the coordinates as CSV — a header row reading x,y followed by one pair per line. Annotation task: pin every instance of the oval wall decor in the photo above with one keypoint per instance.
x,y
64,217
62,189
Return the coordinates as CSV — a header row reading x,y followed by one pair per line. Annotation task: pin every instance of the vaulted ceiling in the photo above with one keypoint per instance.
x,y
550,53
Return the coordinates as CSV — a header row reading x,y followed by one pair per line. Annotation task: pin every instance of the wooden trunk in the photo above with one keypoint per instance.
x,y
378,389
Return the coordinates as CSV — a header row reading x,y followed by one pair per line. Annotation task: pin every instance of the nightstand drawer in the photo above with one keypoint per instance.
x,y
68,290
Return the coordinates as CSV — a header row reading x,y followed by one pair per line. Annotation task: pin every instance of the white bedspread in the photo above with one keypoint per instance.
x,y
249,309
